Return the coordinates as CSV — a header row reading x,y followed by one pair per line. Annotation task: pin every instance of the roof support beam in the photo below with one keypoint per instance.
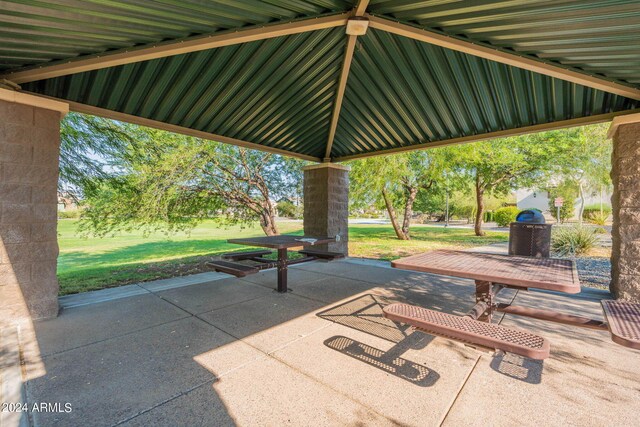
x,y
359,11
175,47
361,8
128,118
582,121
342,85
502,57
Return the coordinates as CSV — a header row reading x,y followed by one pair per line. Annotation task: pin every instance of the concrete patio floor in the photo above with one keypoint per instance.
x,y
233,352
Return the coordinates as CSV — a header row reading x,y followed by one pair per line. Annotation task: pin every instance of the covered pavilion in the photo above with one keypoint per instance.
x,y
322,80
325,81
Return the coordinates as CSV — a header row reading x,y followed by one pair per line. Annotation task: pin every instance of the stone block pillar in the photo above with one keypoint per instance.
x,y
326,204
625,174
29,156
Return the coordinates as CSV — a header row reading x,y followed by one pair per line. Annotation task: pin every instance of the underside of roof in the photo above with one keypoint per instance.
x,y
35,32
426,73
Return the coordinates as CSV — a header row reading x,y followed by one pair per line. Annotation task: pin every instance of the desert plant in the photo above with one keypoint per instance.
x,y
573,241
597,218
596,214
505,216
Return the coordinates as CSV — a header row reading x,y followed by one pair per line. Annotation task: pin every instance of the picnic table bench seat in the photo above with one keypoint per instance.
x,y
239,256
623,319
321,254
233,268
470,331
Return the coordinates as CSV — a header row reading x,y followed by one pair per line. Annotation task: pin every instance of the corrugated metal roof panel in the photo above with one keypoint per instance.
x,y
402,92
280,92
33,32
277,92
596,36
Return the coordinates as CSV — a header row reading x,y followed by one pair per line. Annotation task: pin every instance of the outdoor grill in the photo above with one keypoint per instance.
x,y
529,235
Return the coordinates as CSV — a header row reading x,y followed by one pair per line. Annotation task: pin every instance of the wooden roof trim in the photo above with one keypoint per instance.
x,y
128,118
175,47
581,121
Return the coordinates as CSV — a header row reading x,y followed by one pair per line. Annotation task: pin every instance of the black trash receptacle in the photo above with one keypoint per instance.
x,y
529,235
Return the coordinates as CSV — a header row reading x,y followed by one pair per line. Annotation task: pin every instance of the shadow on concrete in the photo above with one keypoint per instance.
x,y
518,367
364,314
173,357
388,361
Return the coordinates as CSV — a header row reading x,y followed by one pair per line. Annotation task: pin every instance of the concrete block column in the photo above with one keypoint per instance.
x,y
326,204
29,157
625,174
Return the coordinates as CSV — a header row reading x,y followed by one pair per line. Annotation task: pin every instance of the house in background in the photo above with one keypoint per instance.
x,y
66,202
527,198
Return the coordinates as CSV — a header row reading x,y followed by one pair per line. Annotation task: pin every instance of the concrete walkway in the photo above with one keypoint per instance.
x,y
233,352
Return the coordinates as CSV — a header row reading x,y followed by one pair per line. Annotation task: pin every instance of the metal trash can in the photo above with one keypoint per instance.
x,y
529,235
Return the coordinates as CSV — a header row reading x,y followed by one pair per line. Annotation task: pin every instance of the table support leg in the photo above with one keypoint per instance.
x,y
282,270
485,299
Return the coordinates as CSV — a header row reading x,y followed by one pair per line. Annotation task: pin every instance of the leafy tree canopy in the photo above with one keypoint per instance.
x,y
139,177
394,182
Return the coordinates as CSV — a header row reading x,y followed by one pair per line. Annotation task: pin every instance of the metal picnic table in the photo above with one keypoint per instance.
x,y
494,272
282,243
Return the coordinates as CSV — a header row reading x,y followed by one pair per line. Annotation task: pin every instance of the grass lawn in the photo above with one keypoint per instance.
x,y
95,263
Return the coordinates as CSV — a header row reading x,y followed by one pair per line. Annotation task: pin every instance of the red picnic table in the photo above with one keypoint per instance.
x,y
494,272
282,243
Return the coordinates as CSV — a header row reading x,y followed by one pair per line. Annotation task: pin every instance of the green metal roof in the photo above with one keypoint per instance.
x,y
402,92
280,92
597,36
33,32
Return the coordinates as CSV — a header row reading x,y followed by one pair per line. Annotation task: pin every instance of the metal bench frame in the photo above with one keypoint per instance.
x,y
494,272
486,293
329,256
623,319
244,255
243,270
233,268
470,331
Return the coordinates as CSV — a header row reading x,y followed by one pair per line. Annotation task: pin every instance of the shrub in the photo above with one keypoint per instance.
x,y
287,209
573,241
488,216
71,214
505,216
463,211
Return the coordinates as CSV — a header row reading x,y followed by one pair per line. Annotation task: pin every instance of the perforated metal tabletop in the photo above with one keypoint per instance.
x,y
541,273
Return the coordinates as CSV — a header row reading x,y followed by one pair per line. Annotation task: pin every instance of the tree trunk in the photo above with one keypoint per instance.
x,y
480,208
581,210
408,212
268,221
392,216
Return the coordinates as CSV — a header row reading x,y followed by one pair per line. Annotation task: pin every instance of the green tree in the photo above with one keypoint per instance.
x,y
89,147
394,182
586,161
498,166
568,191
166,181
